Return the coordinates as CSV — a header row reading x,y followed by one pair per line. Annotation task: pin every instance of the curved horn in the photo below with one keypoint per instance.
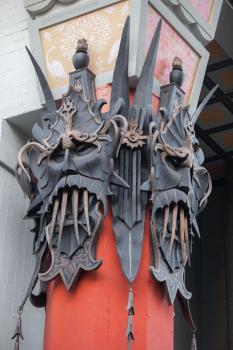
x,y
120,86
49,100
145,84
202,105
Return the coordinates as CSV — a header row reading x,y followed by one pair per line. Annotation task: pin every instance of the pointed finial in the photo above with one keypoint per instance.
x,y
81,58
177,74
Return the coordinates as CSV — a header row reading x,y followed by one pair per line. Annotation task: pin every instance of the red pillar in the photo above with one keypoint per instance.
x,y
93,316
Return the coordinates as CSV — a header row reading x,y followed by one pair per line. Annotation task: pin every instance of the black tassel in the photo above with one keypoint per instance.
x,y
194,342
131,313
18,331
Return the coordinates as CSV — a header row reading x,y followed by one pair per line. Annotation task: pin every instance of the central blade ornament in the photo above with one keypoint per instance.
x,y
79,157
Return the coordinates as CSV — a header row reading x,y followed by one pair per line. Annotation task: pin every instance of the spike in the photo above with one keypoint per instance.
x,y
182,234
202,105
145,84
166,215
120,76
49,100
63,214
75,195
174,220
186,234
86,210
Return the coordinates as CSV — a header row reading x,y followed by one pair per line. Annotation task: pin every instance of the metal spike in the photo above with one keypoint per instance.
x,y
166,215
182,234
145,84
86,210
174,220
75,195
49,100
186,235
63,214
202,105
120,76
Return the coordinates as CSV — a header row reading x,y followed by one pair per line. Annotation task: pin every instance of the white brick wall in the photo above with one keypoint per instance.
x,y
18,94
18,86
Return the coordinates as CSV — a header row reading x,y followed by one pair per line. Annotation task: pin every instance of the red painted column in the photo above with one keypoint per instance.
x,y
93,316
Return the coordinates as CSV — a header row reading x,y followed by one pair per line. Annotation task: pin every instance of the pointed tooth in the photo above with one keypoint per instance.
x,y
50,227
75,195
55,210
166,215
86,211
182,229
155,245
174,220
63,214
186,234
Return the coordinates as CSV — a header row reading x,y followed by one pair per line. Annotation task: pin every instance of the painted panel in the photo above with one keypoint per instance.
x,y
203,7
102,29
171,45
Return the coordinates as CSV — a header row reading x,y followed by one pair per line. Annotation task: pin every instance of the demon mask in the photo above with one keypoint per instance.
x,y
79,156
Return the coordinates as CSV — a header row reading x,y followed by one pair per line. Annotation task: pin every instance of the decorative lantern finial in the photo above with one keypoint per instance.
x,y
177,74
81,58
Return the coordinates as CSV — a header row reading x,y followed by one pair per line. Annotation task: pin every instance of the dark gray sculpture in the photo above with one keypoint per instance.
x,y
66,171
79,156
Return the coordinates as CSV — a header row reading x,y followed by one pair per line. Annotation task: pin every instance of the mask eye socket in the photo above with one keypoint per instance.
x,y
174,162
84,149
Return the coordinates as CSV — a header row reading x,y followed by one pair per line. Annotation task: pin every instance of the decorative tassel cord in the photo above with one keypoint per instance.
x,y
18,330
131,313
194,341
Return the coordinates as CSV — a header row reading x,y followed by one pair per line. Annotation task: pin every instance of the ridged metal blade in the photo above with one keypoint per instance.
x,y
49,100
145,84
120,84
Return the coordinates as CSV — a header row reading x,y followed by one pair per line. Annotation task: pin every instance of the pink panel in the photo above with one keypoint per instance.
x,y
171,45
104,92
203,7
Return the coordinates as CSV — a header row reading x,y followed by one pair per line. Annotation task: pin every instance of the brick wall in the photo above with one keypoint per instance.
x,y
18,87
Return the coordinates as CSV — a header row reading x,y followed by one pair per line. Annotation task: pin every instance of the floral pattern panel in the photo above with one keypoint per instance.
x,y
171,45
203,7
101,28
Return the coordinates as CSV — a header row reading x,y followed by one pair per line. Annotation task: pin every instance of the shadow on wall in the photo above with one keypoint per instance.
x,y
206,279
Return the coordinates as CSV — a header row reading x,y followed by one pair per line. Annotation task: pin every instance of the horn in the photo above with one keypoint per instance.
x,y
120,84
49,100
202,105
145,84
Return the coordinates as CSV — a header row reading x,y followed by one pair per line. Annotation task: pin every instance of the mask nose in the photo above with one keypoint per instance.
x,y
68,166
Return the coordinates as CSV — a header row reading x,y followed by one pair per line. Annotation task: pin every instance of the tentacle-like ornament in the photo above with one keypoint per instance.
x,y
22,151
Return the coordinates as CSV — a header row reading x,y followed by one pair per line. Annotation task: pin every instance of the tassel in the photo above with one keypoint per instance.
x,y
194,342
18,331
130,307
131,313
